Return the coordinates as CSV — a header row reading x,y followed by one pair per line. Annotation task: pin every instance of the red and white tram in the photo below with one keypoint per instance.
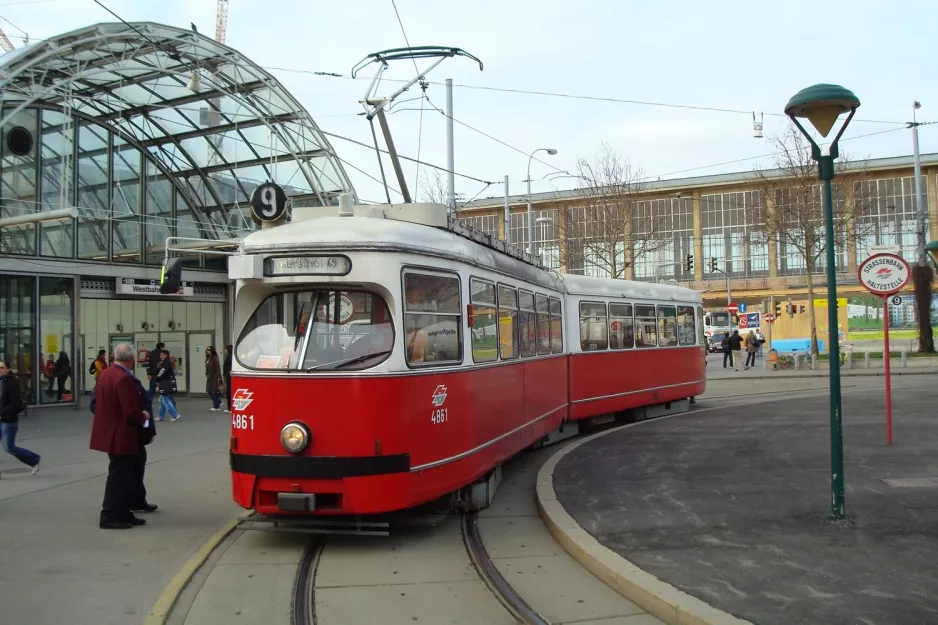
x,y
385,359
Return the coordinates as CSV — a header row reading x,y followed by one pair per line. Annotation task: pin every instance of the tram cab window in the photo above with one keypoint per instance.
x,y
432,319
484,322
593,326
542,307
556,326
686,332
508,347
319,329
528,322
621,330
646,326
667,326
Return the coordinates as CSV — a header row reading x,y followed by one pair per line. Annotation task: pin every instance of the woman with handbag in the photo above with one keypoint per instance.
x,y
166,386
213,379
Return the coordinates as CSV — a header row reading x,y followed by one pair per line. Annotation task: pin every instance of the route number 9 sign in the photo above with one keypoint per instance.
x,y
268,202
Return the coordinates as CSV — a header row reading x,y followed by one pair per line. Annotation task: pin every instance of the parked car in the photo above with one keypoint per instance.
x,y
714,342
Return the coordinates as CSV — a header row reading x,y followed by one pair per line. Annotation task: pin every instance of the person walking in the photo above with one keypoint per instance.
x,y
735,343
11,405
166,386
98,365
153,365
752,346
213,379
226,370
63,370
727,350
116,430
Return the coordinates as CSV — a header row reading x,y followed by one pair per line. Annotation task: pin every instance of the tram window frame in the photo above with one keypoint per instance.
x,y
625,318
556,323
542,313
683,313
528,323
509,295
490,307
662,326
591,319
651,320
457,315
701,327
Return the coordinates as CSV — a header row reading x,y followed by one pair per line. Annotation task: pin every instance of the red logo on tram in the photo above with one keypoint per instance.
x,y
439,395
241,399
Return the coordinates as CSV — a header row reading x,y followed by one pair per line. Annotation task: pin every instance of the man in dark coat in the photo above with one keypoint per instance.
x,y
116,430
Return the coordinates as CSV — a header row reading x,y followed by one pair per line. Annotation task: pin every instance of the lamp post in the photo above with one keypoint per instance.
x,y
550,151
822,105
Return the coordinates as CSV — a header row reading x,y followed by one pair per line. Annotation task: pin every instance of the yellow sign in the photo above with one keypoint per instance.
x,y
52,344
822,303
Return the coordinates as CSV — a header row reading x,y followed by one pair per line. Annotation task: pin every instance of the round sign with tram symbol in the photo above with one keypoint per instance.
x,y
268,203
884,274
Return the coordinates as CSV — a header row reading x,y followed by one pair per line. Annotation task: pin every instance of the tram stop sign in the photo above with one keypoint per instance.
x,y
884,274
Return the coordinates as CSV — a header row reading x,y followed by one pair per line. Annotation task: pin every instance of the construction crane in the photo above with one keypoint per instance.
x,y
221,27
221,21
8,47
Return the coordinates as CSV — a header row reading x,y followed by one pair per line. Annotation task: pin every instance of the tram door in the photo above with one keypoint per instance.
x,y
175,343
198,341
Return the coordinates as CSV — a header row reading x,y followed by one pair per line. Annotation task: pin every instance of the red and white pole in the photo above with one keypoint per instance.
x,y
888,377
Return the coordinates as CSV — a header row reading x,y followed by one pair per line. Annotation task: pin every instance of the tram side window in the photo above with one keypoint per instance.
x,y
621,330
543,324
556,326
484,322
507,323
432,319
646,326
686,332
667,326
593,326
528,323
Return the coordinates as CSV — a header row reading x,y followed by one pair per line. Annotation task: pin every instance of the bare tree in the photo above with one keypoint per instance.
x,y
791,209
610,228
432,188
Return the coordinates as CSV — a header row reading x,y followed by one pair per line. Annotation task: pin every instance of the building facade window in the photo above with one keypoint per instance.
x,y
887,216
664,229
546,239
483,223
740,248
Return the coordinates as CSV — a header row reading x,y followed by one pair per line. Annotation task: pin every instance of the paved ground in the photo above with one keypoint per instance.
x,y
58,567
914,367
730,505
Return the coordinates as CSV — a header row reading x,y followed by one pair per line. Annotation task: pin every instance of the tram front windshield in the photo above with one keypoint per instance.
x,y
317,330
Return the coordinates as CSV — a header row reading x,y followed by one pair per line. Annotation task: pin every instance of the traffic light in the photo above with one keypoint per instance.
x,y
801,308
778,310
713,263
689,265
171,276
790,308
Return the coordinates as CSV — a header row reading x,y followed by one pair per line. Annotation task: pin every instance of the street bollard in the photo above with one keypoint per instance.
x,y
797,361
866,360
904,361
848,359
814,361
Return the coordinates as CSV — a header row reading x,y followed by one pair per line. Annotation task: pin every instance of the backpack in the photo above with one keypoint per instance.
x,y
92,367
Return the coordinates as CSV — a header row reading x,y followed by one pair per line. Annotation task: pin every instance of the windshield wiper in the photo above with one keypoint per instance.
x,y
349,361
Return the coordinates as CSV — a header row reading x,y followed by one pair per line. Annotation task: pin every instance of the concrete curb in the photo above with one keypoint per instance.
x,y
656,597
170,594
821,373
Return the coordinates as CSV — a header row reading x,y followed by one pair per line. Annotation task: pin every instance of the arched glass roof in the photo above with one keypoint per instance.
x,y
215,122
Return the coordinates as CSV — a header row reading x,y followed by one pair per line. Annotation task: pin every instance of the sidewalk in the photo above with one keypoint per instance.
x,y
58,567
730,505
915,366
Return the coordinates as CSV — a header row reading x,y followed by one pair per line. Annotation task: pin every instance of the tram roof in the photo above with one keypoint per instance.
x,y
338,234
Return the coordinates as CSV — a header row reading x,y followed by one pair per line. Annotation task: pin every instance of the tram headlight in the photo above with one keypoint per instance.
x,y
295,437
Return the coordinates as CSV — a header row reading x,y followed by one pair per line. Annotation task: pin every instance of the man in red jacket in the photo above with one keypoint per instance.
x,y
116,429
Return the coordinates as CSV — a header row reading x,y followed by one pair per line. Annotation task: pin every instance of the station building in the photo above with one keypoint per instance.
x,y
709,218
114,138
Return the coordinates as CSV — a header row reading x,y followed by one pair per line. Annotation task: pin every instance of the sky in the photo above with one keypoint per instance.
x,y
739,56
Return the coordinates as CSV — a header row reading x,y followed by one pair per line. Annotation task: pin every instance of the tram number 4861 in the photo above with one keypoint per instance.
x,y
439,415
242,422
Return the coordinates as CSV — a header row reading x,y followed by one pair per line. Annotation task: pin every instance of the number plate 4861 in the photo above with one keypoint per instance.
x,y
440,415
242,422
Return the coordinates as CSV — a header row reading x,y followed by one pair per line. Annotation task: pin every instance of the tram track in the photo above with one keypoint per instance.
x,y
304,586
492,578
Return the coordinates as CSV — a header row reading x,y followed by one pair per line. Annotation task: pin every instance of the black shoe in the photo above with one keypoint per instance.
x,y
147,507
136,521
114,525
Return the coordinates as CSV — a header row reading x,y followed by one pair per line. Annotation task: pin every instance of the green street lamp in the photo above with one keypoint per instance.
x,y
822,105
932,248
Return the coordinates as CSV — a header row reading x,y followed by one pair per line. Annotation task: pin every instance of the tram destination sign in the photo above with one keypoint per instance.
x,y
884,274
307,266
